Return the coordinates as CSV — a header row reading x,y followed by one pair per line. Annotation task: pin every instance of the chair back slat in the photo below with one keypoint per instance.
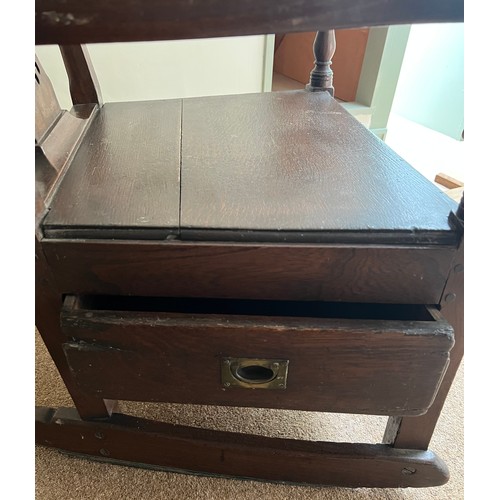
x,y
83,84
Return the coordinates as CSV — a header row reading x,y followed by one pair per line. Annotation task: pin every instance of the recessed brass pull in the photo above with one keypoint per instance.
x,y
254,373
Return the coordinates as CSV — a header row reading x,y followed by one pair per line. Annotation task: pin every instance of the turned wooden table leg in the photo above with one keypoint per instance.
x,y
321,77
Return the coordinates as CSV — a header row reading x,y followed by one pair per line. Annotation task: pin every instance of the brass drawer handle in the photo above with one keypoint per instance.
x,y
254,373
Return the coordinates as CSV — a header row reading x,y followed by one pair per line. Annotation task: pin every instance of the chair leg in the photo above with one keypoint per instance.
x,y
416,432
47,317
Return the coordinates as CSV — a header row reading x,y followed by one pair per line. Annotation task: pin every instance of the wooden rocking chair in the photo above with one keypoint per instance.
x,y
260,250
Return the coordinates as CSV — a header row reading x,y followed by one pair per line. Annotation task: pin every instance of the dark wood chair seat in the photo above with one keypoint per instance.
x,y
124,179
290,166
294,166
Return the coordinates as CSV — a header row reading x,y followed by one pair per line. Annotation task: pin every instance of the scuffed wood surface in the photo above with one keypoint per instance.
x,y
294,166
279,167
364,273
73,21
417,432
125,175
53,154
67,133
136,441
381,366
47,109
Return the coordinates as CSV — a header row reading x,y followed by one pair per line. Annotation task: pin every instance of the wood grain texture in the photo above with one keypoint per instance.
x,y
47,109
74,22
294,166
66,135
48,303
379,366
265,271
54,152
250,181
417,433
135,441
83,84
124,176
45,177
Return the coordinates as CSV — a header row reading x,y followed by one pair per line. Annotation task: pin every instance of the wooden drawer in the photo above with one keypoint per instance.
x,y
336,357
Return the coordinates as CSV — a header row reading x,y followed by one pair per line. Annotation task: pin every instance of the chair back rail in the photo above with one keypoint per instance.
x,y
72,22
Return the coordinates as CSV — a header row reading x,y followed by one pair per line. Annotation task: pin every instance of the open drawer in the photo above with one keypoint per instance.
x,y
381,359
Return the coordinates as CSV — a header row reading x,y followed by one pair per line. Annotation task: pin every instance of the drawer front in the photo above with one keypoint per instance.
x,y
354,358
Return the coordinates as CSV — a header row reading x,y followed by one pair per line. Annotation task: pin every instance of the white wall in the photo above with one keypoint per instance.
x,y
430,89
164,70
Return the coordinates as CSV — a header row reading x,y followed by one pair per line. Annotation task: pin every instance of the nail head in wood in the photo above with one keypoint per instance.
x,y
408,471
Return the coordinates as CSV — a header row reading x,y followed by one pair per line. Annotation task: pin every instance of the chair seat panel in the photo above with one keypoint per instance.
x,y
277,167
125,177
295,166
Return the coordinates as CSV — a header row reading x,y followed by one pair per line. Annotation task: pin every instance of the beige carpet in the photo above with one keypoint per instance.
x,y
63,477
